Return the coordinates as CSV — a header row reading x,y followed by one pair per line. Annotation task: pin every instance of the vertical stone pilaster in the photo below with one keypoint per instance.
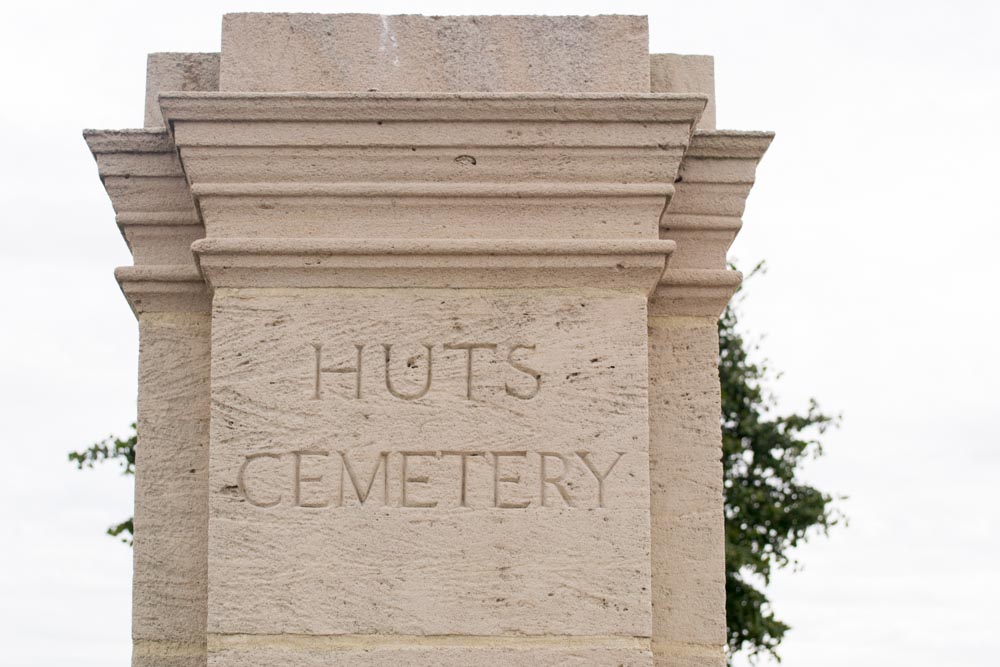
x,y
156,214
689,595
169,589
157,217
688,539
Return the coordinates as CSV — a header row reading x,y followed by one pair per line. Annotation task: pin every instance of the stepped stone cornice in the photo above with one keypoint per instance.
x,y
571,170
703,217
156,215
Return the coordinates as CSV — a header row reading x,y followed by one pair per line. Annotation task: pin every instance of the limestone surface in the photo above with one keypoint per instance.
x,y
427,312
433,464
677,73
169,587
174,72
412,53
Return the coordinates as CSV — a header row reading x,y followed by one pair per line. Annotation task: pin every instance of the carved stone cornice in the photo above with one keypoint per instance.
x,y
496,264
155,212
712,185
455,107
694,292
526,166
154,209
156,289
703,217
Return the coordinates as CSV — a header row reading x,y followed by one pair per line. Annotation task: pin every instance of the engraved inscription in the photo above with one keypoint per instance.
x,y
530,372
380,464
241,480
469,349
516,357
341,369
509,478
412,361
318,479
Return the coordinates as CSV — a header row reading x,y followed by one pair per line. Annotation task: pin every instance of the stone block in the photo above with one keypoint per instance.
x,y
411,53
669,654
153,206
177,72
714,180
675,73
427,463
686,494
149,653
420,652
169,588
450,166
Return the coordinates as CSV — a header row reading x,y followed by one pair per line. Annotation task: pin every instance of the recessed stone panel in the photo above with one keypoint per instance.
x,y
429,462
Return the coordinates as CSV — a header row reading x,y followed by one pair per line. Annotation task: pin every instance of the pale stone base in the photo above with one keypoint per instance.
x,y
152,653
678,654
426,651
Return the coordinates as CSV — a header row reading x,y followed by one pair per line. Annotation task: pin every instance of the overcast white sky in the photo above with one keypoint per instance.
x,y
876,210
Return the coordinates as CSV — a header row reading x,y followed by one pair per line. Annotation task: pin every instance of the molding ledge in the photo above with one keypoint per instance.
x,y
338,165
156,289
477,264
471,190
713,182
609,107
739,144
148,140
694,292
154,209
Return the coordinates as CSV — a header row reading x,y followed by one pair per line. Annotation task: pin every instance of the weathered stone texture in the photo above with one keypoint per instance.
x,y
177,72
158,653
686,491
676,73
171,499
411,53
573,560
712,187
458,412
434,166
154,209
687,655
551,652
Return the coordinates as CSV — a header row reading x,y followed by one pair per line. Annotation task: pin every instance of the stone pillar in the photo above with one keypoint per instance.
x,y
156,214
459,413
688,539
429,379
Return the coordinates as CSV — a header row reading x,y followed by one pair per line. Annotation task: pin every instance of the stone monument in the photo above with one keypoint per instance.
x,y
427,312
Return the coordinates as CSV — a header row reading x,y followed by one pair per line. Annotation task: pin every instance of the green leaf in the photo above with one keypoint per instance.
x,y
769,510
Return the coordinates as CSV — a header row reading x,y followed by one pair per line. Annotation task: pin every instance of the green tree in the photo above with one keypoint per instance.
x,y
768,509
111,449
